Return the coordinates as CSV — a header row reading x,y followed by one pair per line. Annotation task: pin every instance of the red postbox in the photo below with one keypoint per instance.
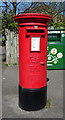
x,y
32,60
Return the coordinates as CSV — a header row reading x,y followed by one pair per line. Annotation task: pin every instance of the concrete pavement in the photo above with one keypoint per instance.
x,y
10,95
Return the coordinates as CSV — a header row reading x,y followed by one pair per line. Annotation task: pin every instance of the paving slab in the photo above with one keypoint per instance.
x,y
10,108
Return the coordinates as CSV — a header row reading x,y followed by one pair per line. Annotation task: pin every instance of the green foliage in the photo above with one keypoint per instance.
x,y
13,26
58,24
8,22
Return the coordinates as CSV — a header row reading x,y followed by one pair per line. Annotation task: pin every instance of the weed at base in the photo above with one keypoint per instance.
x,y
49,103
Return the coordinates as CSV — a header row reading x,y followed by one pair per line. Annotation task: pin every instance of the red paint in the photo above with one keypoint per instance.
x,y
32,64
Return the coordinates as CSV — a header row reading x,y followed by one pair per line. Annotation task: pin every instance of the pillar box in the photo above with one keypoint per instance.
x,y
32,60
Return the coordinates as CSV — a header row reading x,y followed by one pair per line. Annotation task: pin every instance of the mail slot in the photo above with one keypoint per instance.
x,y
32,60
33,31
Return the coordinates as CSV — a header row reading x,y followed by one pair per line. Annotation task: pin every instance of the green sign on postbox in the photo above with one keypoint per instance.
x,y
56,49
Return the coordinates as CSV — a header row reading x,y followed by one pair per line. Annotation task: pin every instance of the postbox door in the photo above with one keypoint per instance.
x,y
33,61
38,61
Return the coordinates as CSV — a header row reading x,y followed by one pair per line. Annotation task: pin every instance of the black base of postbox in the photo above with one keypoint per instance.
x,y
32,99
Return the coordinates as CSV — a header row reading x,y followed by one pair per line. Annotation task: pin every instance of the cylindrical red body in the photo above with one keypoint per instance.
x,y
32,51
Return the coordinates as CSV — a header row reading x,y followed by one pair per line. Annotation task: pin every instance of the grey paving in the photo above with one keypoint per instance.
x,y
10,95
0,90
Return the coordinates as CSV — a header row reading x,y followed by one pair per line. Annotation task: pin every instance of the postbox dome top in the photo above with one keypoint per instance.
x,y
32,17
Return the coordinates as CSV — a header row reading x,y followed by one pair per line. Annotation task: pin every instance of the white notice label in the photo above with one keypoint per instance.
x,y
35,44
